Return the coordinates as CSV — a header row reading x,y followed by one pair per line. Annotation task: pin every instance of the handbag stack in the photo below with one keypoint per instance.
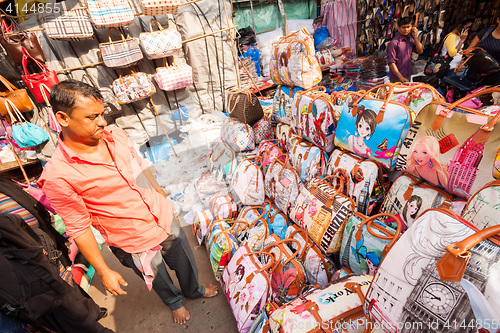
x,y
421,249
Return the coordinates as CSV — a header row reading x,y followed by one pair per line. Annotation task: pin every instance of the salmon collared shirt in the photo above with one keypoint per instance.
x,y
115,198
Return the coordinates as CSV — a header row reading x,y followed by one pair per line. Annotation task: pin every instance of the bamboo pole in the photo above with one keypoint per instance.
x,y
163,127
233,46
208,34
18,160
250,76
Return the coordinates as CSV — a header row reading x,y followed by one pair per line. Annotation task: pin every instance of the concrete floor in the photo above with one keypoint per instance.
x,y
143,311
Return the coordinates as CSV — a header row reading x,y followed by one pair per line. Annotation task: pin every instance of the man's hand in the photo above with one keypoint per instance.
x,y
404,80
414,32
111,281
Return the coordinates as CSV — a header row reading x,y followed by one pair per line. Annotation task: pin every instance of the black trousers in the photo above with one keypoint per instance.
x,y
176,253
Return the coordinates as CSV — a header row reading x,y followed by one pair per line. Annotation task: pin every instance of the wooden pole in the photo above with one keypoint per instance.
x,y
250,76
208,34
18,160
163,127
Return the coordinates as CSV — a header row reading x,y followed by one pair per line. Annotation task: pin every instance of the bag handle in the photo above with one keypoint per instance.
x,y
436,124
329,202
281,242
380,115
19,116
160,27
451,266
414,87
86,77
26,55
392,236
269,266
7,84
116,29
468,54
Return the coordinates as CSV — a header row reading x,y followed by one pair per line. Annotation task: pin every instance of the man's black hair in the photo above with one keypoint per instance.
x,y
404,20
63,95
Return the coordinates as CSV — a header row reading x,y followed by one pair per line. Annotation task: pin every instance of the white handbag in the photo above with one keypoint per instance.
x,y
161,43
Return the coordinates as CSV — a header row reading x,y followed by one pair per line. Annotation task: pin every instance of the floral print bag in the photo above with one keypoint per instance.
x,y
246,283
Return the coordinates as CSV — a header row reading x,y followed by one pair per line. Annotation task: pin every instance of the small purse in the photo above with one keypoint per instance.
x,y
162,43
14,43
25,134
244,106
19,97
159,7
133,87
34,81
173,77
122,53
110,13
69,25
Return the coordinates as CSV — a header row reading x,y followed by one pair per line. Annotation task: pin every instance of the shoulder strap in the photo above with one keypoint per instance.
x,y
486,34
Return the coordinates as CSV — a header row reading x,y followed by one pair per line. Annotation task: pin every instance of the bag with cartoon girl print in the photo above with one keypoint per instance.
x,y
409,197
415,95
366,180
367,240
285,134
322,210
282,103
453,147
268,151
246,283
293,62
282,184
374,128
313,117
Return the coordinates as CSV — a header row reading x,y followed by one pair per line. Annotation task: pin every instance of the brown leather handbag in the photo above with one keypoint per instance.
x,y
19,97
244,106
14,42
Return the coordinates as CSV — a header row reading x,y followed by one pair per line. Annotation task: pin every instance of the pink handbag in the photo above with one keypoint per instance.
x,y
173,77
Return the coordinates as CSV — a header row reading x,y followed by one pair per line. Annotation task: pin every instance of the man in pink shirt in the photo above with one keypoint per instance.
x,y
96,177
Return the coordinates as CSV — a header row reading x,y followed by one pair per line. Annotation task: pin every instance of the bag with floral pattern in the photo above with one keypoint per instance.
x,y
334,306
246,283
322,210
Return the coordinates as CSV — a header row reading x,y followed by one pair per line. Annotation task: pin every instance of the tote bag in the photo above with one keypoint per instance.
x,y
173,77
25,134
122,53
161,43
110,13
452,147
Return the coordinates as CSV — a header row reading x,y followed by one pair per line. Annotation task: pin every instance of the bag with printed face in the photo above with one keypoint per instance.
x,y
246,283
293,62
321,209
440,276
366,180
374,128
282,103
285,134
308,160
452,147
313,117
334,306
409,197
483,208
366,241
282,185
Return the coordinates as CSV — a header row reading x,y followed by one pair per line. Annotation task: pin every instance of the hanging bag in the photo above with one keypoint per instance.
x,y
53,123
159,7
322,210
362,130
120,54
173,77
34,81
133,87
69,25
19,97
441,275
244,106
110,13
460,146
109,99
14,43
25,134
367,241
161,43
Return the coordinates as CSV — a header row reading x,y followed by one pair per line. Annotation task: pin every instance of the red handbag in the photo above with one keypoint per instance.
x,y
34,81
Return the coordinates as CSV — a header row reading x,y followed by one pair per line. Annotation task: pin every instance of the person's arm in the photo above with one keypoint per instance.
x,y
149,173
418,46
394,70
474,42
111,280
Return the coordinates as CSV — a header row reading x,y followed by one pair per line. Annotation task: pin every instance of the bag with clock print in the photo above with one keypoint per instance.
x,y
440,276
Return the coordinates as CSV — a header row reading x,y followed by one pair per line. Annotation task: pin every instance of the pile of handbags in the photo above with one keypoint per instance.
x,y
366,211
